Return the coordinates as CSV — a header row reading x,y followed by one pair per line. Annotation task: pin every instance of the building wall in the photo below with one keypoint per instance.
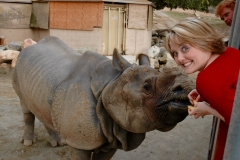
x,y
11,35
135,38
15,15
139,30
79,39
137,41
75,15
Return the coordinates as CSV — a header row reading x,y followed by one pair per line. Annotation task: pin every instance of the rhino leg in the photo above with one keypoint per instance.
x,y
79,154
54,137
28,135
104,155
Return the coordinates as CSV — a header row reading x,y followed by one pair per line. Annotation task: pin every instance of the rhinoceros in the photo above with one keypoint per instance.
x,y
93,104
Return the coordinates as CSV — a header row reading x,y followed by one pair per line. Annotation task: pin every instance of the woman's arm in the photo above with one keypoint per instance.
x,y
202,109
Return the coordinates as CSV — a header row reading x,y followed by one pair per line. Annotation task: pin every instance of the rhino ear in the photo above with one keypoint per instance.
x,y
143,59
119,62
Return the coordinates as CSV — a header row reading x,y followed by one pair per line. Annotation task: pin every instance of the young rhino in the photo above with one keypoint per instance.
x,y
93,104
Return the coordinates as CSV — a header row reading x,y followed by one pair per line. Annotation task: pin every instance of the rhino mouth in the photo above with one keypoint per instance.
x,y
175,105
179,104
171,112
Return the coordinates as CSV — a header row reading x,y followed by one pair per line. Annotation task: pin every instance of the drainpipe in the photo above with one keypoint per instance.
x,y
118,21
124,30
109,9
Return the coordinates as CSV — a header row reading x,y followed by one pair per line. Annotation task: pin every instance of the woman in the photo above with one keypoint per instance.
x,y
196,46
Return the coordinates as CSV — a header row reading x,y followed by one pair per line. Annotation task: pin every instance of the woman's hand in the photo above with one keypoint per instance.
x,y
200,109
203,109
194,95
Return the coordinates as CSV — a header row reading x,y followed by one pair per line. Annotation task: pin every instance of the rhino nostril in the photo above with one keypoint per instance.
x,y
177,88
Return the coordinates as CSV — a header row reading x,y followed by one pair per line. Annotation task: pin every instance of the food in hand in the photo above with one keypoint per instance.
x,y
194,102
191,108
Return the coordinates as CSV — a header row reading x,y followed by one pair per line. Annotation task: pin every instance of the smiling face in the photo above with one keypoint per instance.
x,y
226,15
194,44
190,58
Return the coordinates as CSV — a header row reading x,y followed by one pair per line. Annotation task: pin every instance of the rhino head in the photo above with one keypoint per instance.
x,y
145,99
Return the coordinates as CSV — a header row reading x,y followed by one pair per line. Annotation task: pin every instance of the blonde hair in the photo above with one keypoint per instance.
x,y
196,33
224,4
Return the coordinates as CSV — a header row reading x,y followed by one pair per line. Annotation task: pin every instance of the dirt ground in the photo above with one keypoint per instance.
x,y
189,140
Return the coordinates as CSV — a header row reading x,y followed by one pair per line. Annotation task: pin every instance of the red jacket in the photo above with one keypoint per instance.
x,y
217,85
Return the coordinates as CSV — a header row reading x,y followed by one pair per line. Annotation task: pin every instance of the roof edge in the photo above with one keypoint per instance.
x,y
112,1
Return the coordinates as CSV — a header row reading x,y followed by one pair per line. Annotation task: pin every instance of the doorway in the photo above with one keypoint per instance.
x,y
113,28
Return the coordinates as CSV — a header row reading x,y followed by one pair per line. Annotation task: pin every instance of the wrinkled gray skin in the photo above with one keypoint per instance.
x,y
93,104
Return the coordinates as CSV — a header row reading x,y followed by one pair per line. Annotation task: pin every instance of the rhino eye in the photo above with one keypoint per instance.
x,y
147,86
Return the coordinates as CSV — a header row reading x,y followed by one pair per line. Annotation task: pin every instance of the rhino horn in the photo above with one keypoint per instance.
x,y
119,62
143,59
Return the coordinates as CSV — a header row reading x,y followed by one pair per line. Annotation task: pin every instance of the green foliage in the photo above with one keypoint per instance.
x,y
160,4
199,5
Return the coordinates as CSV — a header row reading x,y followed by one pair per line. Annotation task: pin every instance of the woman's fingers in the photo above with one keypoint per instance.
x,y
196,116
198,97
